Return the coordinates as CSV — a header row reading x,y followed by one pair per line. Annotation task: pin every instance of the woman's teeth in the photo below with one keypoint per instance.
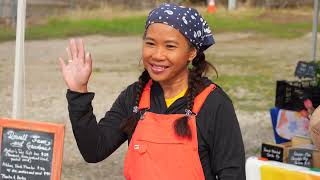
x,y
158,68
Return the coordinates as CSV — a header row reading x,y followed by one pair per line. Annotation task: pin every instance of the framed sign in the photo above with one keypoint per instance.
x,y
305,69
275,152
30,150
301,157
272,152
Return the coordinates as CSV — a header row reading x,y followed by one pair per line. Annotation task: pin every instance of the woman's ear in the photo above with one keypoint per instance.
x,y
192,54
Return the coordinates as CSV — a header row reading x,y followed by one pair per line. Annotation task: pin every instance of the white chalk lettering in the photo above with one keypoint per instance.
x,y
17,144
21,178
4,176
36,139
4,164
13,136
37,147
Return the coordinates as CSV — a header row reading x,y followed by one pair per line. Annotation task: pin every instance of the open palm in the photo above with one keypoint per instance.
x,y
77,71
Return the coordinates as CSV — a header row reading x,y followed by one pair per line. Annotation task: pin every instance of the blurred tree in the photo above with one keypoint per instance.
x,y
279,3
140,4
196,1
225,2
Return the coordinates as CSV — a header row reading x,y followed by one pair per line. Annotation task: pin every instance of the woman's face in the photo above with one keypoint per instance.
x,y
166,53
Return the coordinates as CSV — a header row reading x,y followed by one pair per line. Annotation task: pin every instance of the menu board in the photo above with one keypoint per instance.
x,y
272,152
306,69
30,150
300,157
26,154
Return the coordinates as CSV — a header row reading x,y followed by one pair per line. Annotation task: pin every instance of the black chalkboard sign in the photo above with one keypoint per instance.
x,y
300,157
272,152
306,70
30,150
26,154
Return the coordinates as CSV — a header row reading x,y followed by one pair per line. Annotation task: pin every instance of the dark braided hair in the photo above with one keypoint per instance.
x,y
195,85
129,125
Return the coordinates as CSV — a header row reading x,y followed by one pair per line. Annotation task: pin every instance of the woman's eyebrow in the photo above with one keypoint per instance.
x,y
172,41
167,41
149,38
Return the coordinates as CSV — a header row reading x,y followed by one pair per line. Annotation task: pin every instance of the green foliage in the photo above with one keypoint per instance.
x,y
251,23
7,34
249,92
59,28
248,21
248,80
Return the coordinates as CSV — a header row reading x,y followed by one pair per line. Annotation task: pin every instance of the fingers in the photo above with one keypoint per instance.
x,y
76,50
81,51
62,64
73,49
88,60
69,53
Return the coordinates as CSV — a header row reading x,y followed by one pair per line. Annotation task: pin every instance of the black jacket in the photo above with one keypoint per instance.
x,y
221,149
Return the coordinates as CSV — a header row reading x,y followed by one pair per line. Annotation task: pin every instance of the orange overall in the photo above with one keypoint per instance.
x,y
156,152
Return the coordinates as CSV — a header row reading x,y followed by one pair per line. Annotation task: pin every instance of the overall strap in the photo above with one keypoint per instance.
x,y
145,96
199,100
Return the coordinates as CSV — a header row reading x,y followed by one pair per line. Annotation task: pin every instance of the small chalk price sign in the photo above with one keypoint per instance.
x,y
305,69
272,152
30,150
300,157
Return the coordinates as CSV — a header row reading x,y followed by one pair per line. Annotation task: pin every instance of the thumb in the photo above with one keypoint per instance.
x,y
89,60
62,64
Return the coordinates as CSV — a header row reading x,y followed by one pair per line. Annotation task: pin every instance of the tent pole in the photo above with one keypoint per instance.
x,y
232,5
19,70
315,29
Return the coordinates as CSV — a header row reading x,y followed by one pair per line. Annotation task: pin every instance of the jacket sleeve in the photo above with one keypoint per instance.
x,y
96,141
227,149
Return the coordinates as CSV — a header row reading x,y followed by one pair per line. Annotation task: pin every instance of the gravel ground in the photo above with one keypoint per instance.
x,y
116,64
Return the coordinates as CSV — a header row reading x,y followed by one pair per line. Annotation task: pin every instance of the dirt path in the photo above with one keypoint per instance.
x,y
116,62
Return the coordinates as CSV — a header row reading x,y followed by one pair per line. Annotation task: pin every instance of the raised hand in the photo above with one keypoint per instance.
x,y
76,72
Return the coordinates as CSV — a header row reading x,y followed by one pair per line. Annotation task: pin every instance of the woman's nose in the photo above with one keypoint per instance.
x,y
159,54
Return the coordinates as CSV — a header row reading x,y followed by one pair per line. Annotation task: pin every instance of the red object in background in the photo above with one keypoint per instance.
x,y
304,113
309,106
212,6
308,103
263,159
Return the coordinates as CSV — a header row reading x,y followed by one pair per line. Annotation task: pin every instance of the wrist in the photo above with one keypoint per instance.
x,y
83,89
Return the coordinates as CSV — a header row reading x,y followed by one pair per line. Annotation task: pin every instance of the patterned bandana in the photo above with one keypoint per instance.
x,y
187,21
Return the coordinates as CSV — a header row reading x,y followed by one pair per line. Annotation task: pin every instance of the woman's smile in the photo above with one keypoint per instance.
x,y
158,68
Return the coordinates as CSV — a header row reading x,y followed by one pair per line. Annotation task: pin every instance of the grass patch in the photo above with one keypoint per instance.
x,y
7,34
249,93
257,21
249,20
60,28
250,81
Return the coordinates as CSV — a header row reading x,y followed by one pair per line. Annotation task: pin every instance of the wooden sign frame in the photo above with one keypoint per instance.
x,y
56,129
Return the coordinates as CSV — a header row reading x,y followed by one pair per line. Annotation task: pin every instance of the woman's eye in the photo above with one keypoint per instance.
x,y
171,46
150,43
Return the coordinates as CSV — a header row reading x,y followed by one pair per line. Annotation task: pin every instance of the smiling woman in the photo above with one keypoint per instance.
x,y
178,123
166,55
